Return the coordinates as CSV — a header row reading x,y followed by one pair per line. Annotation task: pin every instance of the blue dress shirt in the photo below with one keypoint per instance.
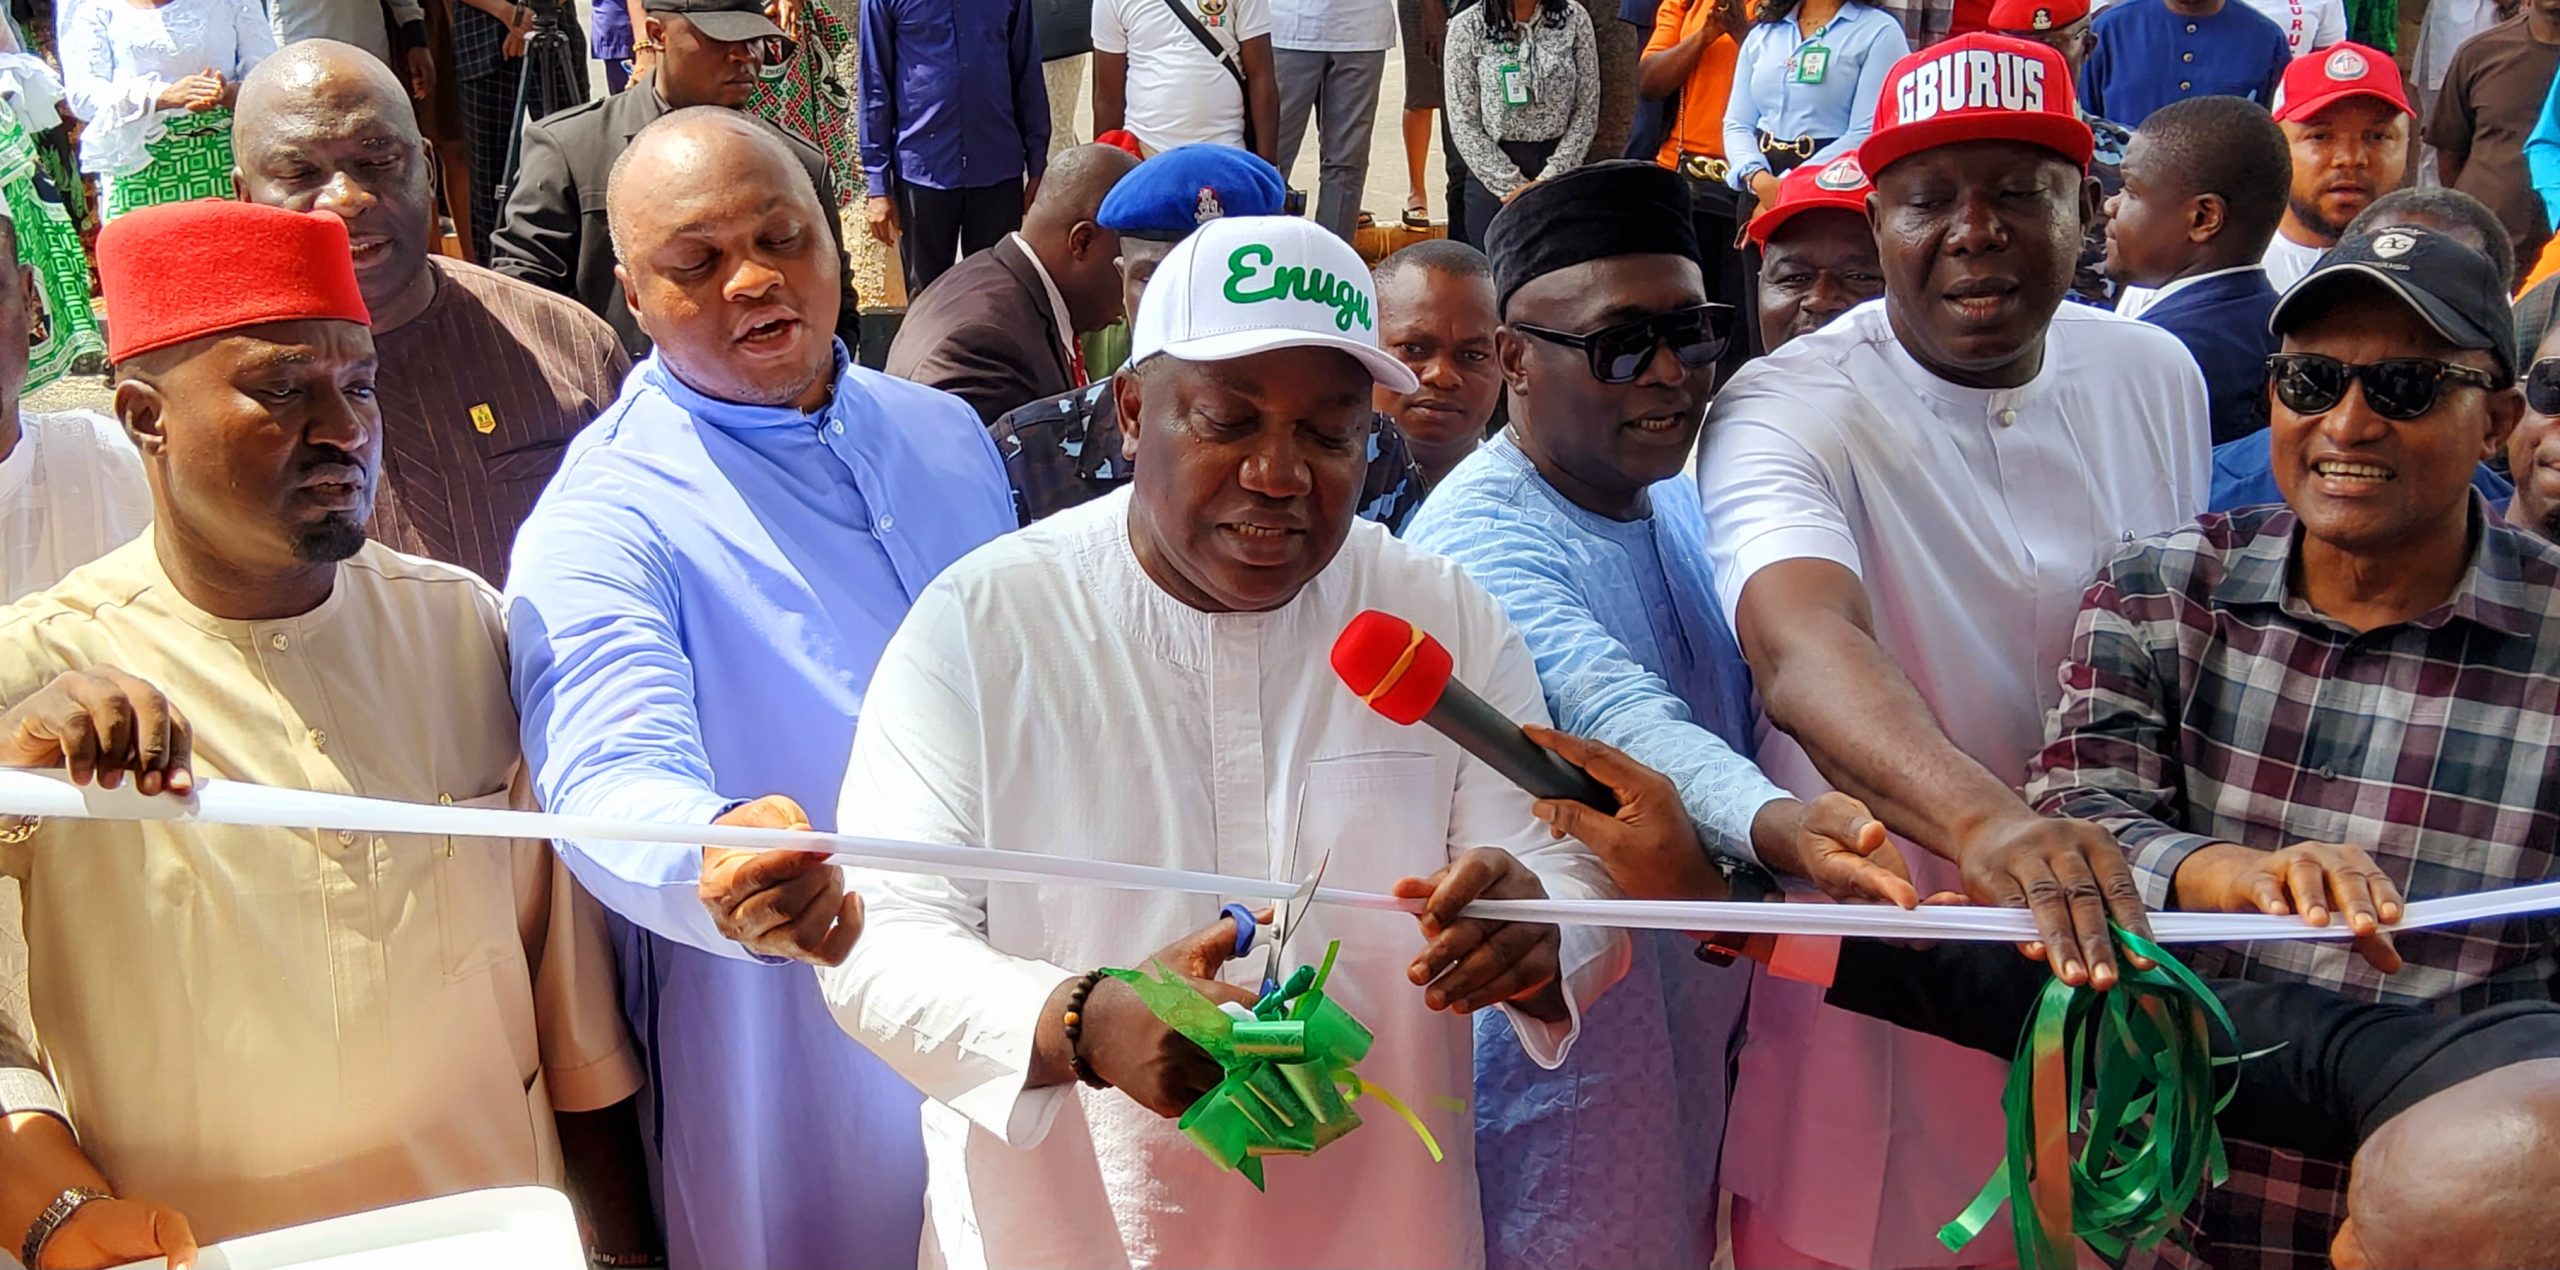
x,y
2222,319
952,96
1611,1160
1864,43
695,608
2149,55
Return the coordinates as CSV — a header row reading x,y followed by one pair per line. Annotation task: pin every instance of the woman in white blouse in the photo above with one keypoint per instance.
x,y
154,83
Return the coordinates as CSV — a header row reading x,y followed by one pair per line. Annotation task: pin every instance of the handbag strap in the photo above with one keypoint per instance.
x,y
1217,48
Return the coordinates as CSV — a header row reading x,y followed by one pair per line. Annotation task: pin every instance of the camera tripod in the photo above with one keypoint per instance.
x,y
549,81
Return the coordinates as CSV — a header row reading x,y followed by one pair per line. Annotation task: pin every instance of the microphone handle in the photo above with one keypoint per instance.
x,y
1487,733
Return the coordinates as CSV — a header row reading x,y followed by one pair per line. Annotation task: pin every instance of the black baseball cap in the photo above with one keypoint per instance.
x,y
729,21
2441,278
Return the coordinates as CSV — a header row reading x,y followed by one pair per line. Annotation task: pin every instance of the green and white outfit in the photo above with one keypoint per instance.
x,y
119,56
62,328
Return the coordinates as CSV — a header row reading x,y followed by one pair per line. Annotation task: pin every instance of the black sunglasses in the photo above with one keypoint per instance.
x,y
1619,353
2542,386
2396,388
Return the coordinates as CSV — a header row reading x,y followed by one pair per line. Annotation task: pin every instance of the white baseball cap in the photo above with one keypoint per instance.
x,y
1241,285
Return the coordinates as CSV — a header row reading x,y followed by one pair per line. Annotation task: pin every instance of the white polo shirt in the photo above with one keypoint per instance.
x,y
1975,518
1177,93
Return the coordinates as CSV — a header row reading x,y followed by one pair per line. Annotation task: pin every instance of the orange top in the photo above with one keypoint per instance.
x,y
1700,126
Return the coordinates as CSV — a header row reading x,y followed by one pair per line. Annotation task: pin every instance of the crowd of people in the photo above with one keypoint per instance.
x,y
2094,463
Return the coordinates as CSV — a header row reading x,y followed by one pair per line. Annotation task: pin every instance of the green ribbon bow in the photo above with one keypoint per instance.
x,y
1289,1080
2133,1071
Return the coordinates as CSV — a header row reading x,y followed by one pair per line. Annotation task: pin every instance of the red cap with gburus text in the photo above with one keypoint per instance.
x,y
1978,87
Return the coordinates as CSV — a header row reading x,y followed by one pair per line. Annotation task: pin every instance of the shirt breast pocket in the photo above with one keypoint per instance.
x,y
1382,815
475,896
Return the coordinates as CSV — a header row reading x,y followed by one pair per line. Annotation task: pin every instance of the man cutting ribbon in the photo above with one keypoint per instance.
x,y
1184,623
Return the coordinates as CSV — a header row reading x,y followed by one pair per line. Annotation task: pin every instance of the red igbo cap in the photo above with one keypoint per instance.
x,y
2314,80
2036,15
178,271
1841,183
1977,87
1123,140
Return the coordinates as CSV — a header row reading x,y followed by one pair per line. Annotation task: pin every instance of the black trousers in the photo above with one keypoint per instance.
x,y
1714,211
937,227
490,124
1481,203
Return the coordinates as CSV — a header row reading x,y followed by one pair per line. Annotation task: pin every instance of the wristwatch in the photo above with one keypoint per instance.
x,y
51,1219
1750,884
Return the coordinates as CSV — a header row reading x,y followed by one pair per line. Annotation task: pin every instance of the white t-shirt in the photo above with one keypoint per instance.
x,y
1177,93
70,492
2307,24
2288,261
1975,518
1333,26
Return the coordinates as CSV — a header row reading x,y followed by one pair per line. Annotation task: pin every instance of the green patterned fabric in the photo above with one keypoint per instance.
x,y
2374,24
62,328
192,161
808,95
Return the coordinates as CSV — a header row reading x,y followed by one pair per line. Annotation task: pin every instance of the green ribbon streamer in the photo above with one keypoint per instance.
x,y
1289,1069
2132,1071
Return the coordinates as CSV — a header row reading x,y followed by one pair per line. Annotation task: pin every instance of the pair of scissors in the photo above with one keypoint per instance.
x,y
1283,923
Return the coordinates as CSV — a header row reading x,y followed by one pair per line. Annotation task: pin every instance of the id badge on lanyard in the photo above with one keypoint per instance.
x,y
1810,64
1515,80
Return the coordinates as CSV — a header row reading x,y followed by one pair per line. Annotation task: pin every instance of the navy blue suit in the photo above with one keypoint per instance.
x,y
2223,323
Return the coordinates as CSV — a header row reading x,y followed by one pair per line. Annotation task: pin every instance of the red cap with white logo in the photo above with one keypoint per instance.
x,y
1979,87
1841,183
2036,15
2336,73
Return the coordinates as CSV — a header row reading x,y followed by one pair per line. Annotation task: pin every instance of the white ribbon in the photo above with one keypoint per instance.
x,y
44,794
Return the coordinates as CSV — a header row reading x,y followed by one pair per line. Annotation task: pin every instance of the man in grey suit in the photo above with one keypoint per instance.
x,y
1001,328
553,232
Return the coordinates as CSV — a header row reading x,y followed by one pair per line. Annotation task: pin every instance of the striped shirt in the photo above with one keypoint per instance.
x,y
2205,701
480,394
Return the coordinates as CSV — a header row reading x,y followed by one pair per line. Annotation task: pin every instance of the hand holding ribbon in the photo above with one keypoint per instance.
x,y
1469,963
2131,1069
1148,1043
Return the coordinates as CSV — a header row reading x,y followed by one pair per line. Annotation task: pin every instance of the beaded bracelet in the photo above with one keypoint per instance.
x,y
1074,1022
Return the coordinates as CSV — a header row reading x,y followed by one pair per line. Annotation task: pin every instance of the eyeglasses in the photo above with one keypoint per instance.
x,y
2542,386
2396,388
1619,353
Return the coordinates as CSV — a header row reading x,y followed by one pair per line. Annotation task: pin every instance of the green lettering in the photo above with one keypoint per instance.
x,y
1246,285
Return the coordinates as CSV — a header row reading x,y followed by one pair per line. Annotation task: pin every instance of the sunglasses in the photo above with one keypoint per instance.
x,y
2542,386
1620,353
2397,388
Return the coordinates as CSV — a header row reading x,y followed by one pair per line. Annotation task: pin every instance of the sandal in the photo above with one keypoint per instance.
x,y
1417,214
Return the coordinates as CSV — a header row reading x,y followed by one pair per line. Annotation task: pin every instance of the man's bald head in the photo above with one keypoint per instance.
x,y
688,146
1064,228
2462,1180
728,260
324,126
312,78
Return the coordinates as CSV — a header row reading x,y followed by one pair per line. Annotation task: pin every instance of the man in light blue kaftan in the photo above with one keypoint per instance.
x,y
1579,522
695,608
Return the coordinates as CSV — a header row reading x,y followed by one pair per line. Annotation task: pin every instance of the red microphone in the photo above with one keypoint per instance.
x,y
1403,673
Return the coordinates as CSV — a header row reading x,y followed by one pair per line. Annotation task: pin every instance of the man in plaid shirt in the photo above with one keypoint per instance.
x,y
2319,707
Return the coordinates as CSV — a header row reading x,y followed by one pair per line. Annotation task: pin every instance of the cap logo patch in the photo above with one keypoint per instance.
x,y
2345,64
1253,279
1208,208
2392,244
1843,174
1970,79
2042,21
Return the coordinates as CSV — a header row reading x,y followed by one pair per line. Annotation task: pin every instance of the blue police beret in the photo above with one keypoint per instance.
x,y
1168,196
